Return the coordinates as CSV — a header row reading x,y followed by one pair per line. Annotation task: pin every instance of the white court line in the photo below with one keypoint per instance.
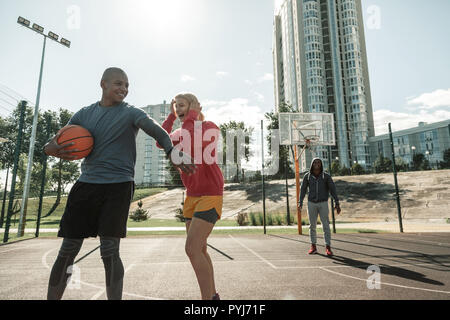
x,y
23,247
384,283
45,264
102,291
256,254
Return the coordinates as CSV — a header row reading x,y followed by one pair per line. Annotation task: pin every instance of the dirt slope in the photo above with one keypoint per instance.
x,y
424,195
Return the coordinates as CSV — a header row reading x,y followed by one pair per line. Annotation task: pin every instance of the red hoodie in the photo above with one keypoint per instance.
x,y
208,179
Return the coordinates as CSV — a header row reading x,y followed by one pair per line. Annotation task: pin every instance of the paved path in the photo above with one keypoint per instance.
x,y
375,226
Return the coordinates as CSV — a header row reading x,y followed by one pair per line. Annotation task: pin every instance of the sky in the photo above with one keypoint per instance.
x,y
221,50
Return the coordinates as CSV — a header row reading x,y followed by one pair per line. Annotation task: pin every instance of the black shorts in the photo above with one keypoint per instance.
x,y
97,209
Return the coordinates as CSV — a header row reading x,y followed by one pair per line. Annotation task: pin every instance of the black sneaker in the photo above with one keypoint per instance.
x,y
216,297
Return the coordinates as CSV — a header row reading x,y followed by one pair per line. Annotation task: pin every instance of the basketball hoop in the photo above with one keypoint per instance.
x,y
311,143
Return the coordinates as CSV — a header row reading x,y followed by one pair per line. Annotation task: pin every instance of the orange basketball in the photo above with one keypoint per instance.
x,y
82,139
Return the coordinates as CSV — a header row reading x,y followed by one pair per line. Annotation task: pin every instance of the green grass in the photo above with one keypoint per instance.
x,y
174,223
52,221
147,192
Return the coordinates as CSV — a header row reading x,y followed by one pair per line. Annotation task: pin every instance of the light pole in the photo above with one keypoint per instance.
x,y
428,158
26,188
413,148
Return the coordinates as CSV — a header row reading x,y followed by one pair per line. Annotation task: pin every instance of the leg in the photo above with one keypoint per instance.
x,y
312,216
59,276
208,258
109,250
323,212
198,233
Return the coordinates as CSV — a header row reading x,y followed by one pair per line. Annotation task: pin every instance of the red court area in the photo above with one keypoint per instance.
x,y
247,267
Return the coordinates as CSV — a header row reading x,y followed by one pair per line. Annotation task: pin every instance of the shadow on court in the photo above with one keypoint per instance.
x,y
387,270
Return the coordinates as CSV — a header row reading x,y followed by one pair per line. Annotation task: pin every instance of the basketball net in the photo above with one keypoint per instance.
x,y
310,144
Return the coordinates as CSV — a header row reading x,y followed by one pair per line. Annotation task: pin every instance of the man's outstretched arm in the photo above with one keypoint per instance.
x,y
153,129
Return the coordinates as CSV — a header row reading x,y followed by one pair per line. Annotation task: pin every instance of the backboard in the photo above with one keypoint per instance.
x,y
296,128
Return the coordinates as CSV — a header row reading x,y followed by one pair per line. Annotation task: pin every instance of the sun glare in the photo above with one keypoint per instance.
x,y
163,20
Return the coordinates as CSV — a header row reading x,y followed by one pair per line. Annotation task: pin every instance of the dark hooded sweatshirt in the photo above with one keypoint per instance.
x,y
319,187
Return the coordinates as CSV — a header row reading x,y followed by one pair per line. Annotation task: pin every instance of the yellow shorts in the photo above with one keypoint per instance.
x,y
208,208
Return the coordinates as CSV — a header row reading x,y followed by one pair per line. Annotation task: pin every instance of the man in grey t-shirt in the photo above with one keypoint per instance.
x,y
99,201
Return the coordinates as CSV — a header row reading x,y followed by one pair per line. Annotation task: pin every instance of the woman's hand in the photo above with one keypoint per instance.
x,y
172,107
196,107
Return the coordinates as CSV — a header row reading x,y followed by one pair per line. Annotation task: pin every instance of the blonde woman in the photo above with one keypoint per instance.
x,y
204,189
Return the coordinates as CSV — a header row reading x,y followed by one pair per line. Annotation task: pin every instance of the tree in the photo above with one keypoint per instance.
x,y
7,147
35,179
357,169
400,164
335,168
382,164
345,171
418,161
61,174
283,150
174,175
233,126
425,165
446,163
9,129
139,214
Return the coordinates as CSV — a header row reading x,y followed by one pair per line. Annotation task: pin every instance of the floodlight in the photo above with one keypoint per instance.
x,y
53,36
65,42
38,28
23,21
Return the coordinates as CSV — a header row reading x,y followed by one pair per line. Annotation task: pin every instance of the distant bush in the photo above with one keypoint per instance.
x,y
269,220
345,171
278,220
357,169
179,215
139,214
253,219
260,219
241,219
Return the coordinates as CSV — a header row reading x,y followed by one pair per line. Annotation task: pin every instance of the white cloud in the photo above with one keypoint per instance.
x,y
401,120
266,77
435,99
248,82
237,109
259,96
186,78
222,74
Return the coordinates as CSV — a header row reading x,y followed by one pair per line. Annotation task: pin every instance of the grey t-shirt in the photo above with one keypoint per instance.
x,y
114,130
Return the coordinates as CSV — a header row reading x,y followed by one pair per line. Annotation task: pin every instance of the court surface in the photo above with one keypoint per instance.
x,y
253,267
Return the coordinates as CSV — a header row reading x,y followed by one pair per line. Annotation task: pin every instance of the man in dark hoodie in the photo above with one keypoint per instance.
x,y
320,184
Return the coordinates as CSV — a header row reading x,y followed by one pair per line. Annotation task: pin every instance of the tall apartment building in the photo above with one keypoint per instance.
x,y
320,65
152,162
